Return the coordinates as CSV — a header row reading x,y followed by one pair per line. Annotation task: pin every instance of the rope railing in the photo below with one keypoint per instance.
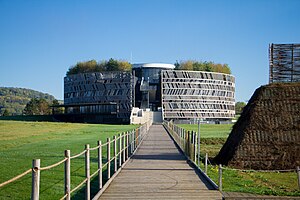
x,y
186,140
123,146
54,165
15,178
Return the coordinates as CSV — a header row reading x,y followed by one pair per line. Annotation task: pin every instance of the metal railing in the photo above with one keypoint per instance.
x,y
123,146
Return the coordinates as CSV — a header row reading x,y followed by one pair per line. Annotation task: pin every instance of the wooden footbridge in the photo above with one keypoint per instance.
x,y
158,170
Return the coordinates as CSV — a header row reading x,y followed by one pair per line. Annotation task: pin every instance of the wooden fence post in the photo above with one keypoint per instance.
x,y
198,142
189,144
108,158
100,164
138,136
130,142
35,186
298,174
115,152
120,150
67,174
87,172
127,145
195,146
220,177
206,159
124,150
133,140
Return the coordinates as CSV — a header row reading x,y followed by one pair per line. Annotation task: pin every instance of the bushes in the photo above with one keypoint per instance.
x,y
193,65
94,66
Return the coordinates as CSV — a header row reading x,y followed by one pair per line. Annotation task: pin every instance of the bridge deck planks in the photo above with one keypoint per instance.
x,y
159,171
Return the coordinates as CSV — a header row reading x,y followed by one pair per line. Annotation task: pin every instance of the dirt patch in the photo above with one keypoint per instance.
x,y
267,134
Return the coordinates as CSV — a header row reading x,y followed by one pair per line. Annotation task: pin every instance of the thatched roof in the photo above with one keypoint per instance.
x,y
267,135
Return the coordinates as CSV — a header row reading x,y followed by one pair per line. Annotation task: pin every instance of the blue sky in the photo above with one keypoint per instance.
x,y
40,40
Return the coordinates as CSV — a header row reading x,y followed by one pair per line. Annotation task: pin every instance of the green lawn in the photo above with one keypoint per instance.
x,y
20,142
262,183
213,136
210,130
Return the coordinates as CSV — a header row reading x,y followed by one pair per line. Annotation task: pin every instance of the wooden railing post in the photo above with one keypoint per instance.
x,y
100,164
108,158
67,175
115,152
206,159
35,186
298,174
220,177
189,144
120,150
87,172
132,137
195,146
127,145
124,136
198,142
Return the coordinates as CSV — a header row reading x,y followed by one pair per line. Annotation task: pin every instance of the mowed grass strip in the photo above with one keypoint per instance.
x,y
20,142
210,130
213,136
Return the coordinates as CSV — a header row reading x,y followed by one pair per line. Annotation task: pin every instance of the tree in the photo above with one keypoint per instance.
x,y
202,66
6,113
177,65
239,106
57,110
124,66
37,107
187,65
93,66
112,65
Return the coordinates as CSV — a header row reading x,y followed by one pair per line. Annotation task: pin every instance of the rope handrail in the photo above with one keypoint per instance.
x,y
64,197
113,158
104,165
140,133
258,170
16,178
228,168
94,148
104,144
78,186
80,154
54,165
91,176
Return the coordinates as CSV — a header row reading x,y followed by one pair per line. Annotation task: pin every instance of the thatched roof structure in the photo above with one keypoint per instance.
x,y
267,135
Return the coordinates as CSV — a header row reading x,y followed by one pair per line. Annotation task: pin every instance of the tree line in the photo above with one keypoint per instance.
x,y
121,65
193,65
14,100
94,66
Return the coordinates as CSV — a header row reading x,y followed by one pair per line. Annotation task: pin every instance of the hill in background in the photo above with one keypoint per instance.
x,y
15,99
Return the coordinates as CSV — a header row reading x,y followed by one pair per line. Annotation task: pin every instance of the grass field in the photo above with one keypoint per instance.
x,y
20,142
213,136
210,130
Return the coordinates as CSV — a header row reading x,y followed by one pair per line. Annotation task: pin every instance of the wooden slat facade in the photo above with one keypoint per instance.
x,y
284,62
195,95
100,88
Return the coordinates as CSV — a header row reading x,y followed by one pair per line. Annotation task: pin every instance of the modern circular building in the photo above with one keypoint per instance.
x,y
104,97
194,95
148,84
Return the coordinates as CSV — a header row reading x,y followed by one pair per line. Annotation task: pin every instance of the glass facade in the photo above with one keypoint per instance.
x,y
148,87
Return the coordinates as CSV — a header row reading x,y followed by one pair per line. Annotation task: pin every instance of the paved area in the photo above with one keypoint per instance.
x,y
159,171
